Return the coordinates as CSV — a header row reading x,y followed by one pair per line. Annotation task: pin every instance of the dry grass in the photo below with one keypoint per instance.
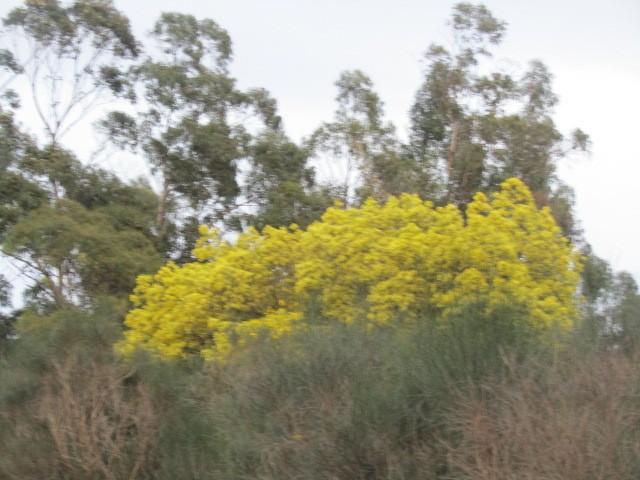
x,y
100,428
85,422
578,418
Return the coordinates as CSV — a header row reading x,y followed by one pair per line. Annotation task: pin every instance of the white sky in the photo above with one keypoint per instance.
x,y
296,49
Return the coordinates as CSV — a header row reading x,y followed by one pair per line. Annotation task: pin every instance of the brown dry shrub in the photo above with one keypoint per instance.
x,y
88,420
576,418
100,427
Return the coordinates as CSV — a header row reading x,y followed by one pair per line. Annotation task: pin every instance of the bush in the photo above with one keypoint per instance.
x,y
67,409
476,397
385,264
572,417
351,401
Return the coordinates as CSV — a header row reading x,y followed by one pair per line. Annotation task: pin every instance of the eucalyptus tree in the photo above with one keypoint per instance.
x,y
71,56
624,313
471,129
19,191
5,302
441,125
610,303
357,153
75,254
280,185
74,232
189,120
92,242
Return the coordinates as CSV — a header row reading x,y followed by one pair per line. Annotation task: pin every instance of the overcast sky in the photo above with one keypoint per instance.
x,y
296,49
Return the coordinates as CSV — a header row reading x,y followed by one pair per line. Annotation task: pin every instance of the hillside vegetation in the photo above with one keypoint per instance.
x,y
431,310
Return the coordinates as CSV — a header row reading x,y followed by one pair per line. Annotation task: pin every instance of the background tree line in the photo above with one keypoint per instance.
x,y
220,156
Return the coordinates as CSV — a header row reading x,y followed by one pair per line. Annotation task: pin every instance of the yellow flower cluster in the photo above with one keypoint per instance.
x,y
382,264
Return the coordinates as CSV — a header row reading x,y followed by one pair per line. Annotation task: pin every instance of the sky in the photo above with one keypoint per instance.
x,y
296,49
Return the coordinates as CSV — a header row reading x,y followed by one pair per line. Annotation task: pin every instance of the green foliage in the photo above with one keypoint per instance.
x,y
5,292
343,401
360,149
471,131
93,241
72,52
67,411
63,223
396,340
187,128
596,276
611,314
280,184
67,28
44,339
20,192
79,253
8,61
621,324
6,320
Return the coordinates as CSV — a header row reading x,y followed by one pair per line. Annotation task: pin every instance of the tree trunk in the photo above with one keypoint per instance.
x,y
161,214
453,147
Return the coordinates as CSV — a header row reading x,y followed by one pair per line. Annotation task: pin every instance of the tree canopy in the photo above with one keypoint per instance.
x,y
472,127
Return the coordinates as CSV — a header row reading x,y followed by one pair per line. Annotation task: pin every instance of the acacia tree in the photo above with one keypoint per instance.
x,y
380,264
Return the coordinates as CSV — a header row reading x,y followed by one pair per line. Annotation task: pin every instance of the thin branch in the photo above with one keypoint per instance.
x,y
56,290
36,102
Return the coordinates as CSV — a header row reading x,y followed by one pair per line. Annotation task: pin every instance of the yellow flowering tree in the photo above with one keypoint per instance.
x,y
383,264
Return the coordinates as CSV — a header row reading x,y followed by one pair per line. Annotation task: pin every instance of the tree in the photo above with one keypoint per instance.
x,y
471,131
6,320
20,192
280,185
188,120
75,254
56,243
385,265
70,56
597,278
360,149
441,126
90,36
74,231
611,304
624,313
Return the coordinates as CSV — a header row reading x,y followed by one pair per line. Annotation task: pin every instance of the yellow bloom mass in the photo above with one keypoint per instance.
x,y
383,264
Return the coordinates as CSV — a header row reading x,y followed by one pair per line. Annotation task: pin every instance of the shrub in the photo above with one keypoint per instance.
x,y
67,409
382,264
573,417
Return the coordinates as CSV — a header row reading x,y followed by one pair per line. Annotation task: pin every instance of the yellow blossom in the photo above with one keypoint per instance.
x,y
380,264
